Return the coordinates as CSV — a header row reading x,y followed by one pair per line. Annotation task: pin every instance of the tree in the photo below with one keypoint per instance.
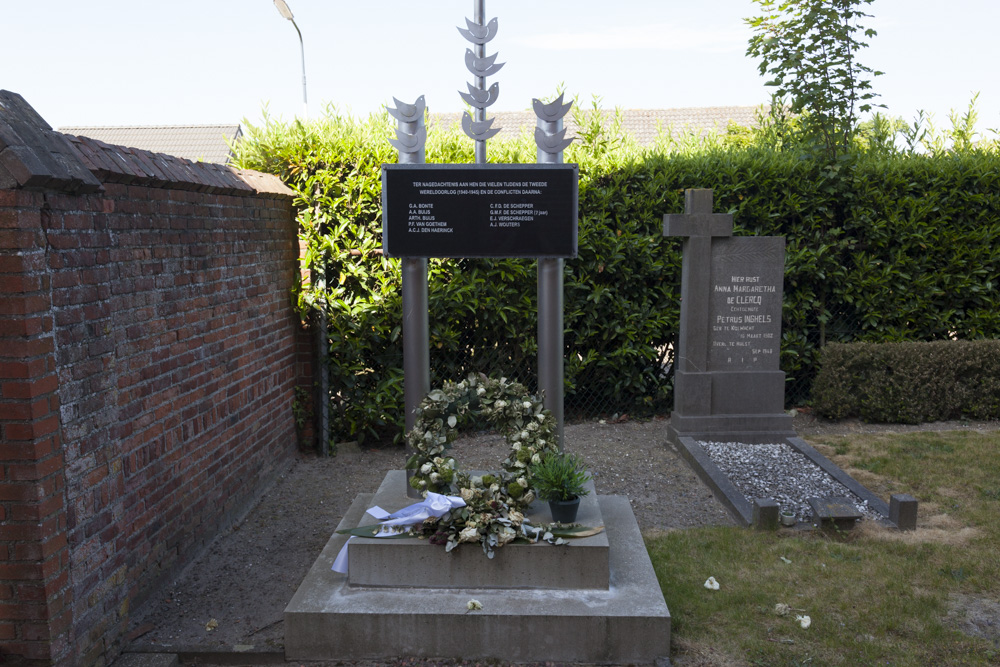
x,y
809,49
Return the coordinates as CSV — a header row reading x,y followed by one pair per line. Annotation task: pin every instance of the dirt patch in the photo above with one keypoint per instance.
x,y
975,616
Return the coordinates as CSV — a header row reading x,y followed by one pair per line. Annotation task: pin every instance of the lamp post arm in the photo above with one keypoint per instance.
x,y
302,47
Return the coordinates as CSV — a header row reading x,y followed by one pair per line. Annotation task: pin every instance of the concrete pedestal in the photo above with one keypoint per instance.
x,y
595,600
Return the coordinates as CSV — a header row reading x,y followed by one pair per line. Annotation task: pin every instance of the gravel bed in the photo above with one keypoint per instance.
x,y
780,472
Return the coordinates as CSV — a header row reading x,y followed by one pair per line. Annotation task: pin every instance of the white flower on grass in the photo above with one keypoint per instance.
x,y
711,584
804,621
782,609
785,560
474,605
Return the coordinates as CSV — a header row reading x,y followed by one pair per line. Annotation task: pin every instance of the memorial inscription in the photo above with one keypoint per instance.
x,y
480,211
745,327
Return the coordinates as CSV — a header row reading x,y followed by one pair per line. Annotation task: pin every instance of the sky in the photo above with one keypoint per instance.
x,y
149,62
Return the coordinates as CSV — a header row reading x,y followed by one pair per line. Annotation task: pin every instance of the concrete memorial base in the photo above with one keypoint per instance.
x,y
595,600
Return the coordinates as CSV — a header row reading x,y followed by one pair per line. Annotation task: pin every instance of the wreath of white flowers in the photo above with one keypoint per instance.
x,y
495,503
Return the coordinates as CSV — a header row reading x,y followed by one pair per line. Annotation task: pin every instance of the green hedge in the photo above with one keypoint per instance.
x,y
879,248
910,382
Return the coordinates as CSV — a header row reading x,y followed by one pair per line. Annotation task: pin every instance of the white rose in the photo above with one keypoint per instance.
x,y
505,535
536,459
435,478
516,446
515,517
426,468
525,435
480,391
500,404
469,534
523,482
527,405
467,495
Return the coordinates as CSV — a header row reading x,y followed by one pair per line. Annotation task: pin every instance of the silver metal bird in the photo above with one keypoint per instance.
x,y
408,113
482,66
552,111
410,143
552,143
481,98
479,34
478,130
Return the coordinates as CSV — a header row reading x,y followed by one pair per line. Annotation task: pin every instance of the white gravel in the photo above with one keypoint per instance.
x,y
780,472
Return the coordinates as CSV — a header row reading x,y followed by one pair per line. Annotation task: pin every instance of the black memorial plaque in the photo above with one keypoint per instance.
x,y
745,310
481,210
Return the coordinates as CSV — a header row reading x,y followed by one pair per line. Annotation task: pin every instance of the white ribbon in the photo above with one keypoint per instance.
x,y
434,505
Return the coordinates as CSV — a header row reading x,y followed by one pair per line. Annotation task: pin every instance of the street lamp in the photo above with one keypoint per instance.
x,y
283,9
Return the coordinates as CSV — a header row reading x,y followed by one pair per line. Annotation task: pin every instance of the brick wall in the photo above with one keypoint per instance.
x,y
148,358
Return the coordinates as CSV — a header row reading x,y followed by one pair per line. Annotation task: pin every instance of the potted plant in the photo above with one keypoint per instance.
x,y
788,517
560,479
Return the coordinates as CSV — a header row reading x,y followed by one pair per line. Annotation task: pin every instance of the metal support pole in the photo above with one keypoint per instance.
x,y
479,16
550,313
416,339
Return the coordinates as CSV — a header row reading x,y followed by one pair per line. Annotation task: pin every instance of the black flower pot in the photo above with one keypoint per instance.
x,y
564,511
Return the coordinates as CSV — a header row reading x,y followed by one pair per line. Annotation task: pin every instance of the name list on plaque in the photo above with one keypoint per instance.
x,y
491,210
745,313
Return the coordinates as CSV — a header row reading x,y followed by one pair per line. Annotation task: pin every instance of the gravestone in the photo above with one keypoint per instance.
x,y
727,381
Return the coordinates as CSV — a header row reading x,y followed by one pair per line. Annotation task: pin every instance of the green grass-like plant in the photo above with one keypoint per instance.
x,y
560,477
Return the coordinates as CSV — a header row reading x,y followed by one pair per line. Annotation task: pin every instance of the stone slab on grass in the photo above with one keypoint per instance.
x,y
836,511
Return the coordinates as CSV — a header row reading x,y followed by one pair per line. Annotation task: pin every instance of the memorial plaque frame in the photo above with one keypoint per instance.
x,y
480,210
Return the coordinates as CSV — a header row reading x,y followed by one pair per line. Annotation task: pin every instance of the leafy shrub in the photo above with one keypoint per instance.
x,y
880,246
910,382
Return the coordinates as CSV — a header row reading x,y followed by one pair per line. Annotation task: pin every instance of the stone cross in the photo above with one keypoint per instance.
x,y
727,380
698,225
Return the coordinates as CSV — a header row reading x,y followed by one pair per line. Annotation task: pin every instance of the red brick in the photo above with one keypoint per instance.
x,y
25,304
29,389
18,240
33,632
26,451
32,430
20,572
36,511
8,631
22,369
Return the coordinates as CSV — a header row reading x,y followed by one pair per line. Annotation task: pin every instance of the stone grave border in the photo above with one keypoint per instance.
x,y
900,512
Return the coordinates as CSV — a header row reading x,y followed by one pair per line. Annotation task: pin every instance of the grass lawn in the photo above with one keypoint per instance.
x,y
874,596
